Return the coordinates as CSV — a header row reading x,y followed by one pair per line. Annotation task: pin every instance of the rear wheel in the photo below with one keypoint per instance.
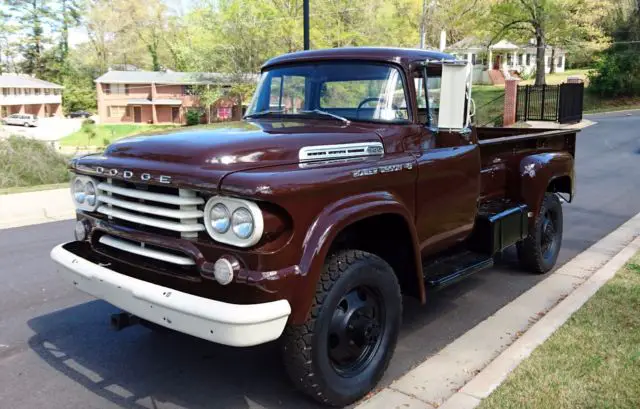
x,y
26,124
341,352
539,251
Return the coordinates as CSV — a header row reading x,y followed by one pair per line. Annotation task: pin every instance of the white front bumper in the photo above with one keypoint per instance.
x,y
223,323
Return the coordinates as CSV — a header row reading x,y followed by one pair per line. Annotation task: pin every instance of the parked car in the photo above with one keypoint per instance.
x,y
79,114
21,119
355,178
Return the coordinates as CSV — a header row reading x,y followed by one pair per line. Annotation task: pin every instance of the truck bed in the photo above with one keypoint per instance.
x,y
503,149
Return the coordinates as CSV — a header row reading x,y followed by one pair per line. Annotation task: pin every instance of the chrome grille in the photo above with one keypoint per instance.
x,y
176,212
142,250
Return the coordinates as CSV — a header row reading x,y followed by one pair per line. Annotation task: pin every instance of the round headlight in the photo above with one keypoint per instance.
x,y
78,191
220,218
242,223
90,193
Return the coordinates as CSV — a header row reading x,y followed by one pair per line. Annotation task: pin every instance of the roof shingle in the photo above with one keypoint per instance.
x,y
20,81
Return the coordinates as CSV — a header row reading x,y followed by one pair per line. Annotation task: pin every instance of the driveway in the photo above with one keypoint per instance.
x,y
48,129
57,351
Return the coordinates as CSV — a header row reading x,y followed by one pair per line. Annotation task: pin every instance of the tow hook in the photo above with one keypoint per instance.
x,y
123,320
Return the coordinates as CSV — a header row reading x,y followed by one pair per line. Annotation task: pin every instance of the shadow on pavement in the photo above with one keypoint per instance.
x,y
139,368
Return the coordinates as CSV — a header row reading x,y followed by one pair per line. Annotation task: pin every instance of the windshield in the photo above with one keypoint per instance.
x,y
353,91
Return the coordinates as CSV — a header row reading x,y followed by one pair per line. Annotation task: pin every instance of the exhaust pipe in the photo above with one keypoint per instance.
x,y
123,320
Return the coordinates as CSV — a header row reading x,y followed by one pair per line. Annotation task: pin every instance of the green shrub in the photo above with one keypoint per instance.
x,y
28,162
193,117
617,74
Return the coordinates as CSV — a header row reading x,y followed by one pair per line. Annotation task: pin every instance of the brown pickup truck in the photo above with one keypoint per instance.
x,y
354,178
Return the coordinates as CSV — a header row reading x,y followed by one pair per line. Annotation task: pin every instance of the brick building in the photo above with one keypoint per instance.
x,y
157,97
21,94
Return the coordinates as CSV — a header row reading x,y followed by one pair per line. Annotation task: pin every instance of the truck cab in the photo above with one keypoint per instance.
x,y
354,178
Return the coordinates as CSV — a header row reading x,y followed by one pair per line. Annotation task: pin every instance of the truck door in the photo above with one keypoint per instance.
x,y
448,183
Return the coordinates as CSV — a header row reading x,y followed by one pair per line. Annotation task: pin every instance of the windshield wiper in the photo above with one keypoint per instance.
x,y
325,113
263,113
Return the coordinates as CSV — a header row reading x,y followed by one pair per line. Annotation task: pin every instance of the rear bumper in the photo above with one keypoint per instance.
x,y
220,322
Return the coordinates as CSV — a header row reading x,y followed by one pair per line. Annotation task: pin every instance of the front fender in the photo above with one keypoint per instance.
x,y
538,171
326,227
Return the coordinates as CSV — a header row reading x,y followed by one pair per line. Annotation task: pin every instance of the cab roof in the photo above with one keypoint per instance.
x,y
402,56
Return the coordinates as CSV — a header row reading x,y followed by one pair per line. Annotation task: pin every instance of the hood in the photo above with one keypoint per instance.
x,y
203,155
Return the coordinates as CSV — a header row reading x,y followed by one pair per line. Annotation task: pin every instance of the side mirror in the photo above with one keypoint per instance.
x,y
455,94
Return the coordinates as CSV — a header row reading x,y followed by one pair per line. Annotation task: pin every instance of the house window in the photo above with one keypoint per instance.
x,y
37,91
117,111
27,91
189,90
473,59
528,59
47,91
18,91
5,92
509,59
559,61
224,113
118,89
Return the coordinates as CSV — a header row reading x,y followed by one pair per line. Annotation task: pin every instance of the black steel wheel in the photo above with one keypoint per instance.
x,y
355,329
539,251
343,349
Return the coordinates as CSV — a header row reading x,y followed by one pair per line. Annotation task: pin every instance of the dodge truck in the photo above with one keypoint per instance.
x,y
356,178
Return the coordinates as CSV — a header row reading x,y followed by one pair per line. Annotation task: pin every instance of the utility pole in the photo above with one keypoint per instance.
x,y
305,24
423,23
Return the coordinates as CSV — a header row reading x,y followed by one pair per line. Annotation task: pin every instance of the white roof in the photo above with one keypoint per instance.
x,y
21,81
504,45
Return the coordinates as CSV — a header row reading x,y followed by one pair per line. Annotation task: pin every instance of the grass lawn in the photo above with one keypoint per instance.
x,y
489,101
592,361
559,78
107,133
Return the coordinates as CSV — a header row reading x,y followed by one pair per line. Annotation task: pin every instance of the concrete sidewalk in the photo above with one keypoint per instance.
x,y
23,209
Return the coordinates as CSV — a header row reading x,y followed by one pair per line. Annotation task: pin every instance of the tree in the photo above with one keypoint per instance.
x,y
146,19
32,17
555,22
617,73
208,95
70,16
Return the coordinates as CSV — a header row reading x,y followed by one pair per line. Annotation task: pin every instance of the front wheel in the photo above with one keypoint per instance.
x,y
26,124
343,349
539,251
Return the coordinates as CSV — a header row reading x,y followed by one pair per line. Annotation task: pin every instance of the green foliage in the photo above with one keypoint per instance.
x,y
617,73
28,162
193,117
79,94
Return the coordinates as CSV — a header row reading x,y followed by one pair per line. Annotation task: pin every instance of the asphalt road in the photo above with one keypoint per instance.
x,y
57,351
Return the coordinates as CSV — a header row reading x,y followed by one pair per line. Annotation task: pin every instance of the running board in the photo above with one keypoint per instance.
x,y
444,271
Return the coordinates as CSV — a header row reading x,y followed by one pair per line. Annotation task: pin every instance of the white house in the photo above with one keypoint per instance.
x,y
504,59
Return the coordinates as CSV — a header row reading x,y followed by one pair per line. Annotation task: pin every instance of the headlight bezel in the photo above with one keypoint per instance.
x,y
229,236
84,204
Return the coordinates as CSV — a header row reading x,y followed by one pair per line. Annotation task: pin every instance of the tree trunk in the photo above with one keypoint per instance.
x,y
552,67
540,56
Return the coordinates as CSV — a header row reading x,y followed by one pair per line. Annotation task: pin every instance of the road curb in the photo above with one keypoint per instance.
x,y
472,366
27,208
